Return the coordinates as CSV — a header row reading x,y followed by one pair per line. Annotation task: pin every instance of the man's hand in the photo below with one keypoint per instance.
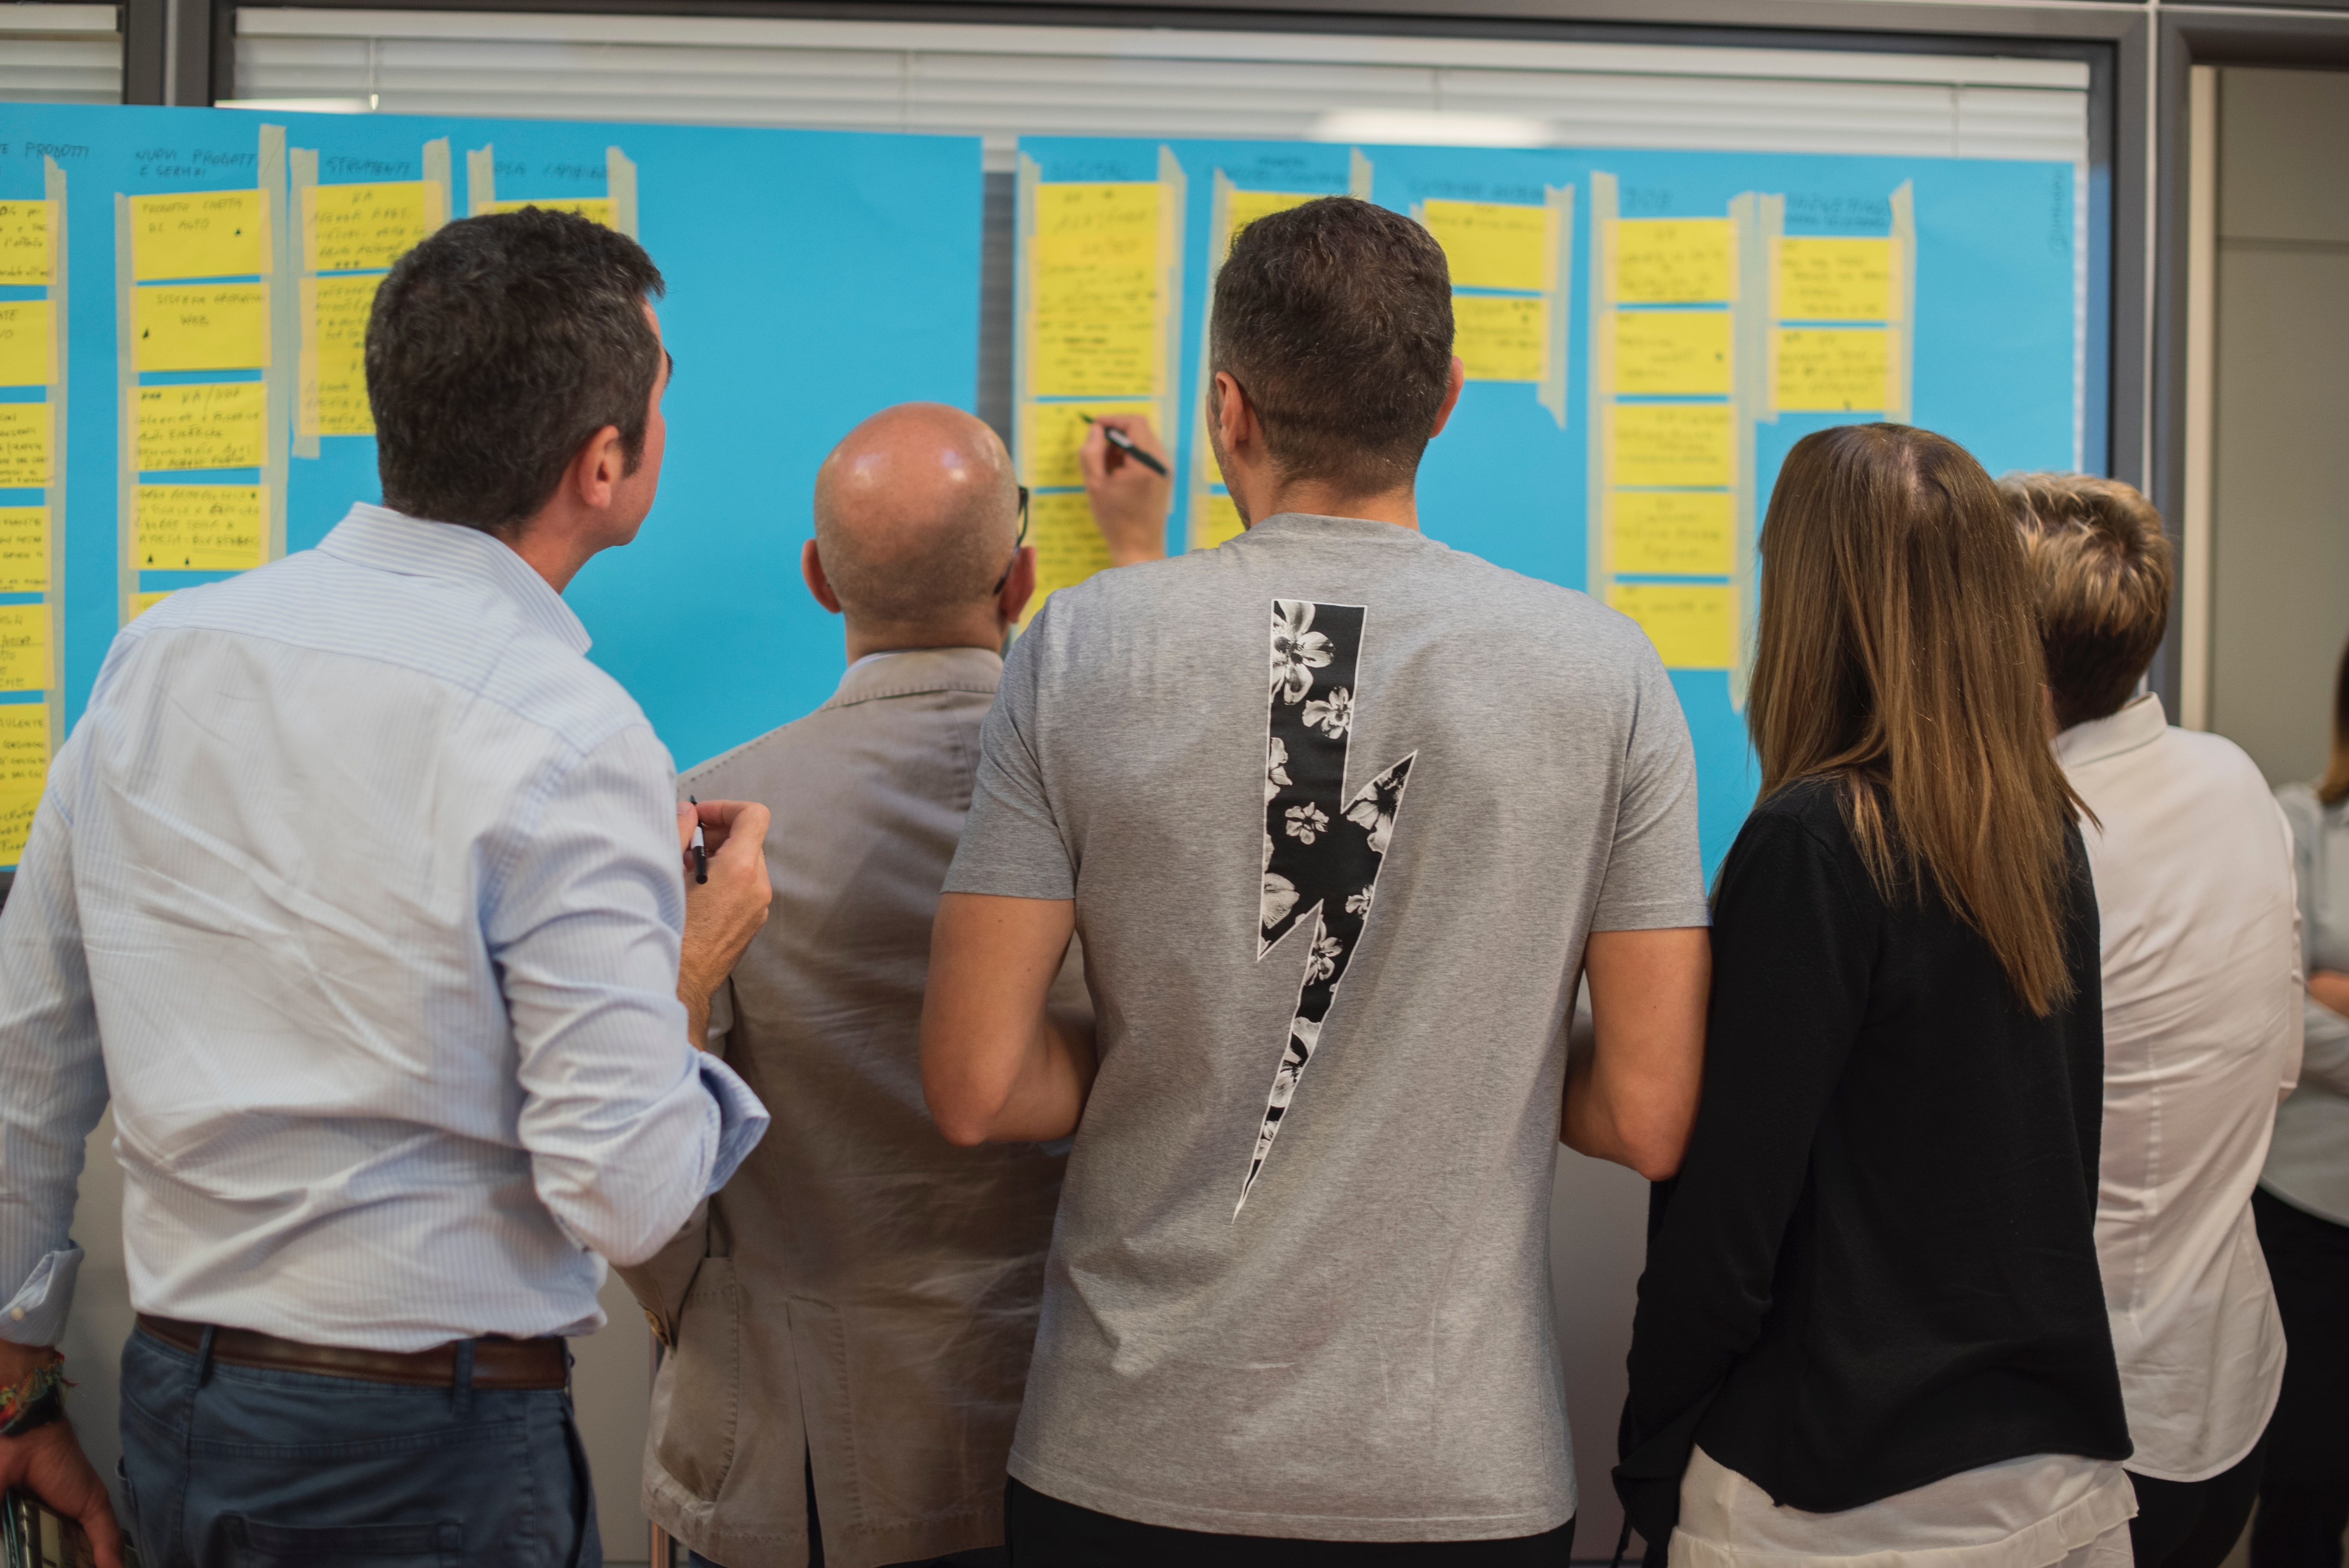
x,y
1631,1097
1129,501
997,1064
2330,987
722,914
47,1461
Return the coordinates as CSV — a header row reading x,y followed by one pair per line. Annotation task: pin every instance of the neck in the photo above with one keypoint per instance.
x,y
1268,496
973,632
550,554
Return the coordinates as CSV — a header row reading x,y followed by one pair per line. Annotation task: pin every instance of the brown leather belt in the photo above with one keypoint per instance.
x,y
497,1362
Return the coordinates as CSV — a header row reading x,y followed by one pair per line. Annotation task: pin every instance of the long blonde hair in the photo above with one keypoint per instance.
x,y
1898,656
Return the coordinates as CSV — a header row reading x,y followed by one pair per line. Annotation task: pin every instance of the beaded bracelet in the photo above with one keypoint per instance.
x,y
35,1401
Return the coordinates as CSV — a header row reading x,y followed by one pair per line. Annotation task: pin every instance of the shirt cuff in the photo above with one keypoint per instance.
x,y
742,1119
37,1314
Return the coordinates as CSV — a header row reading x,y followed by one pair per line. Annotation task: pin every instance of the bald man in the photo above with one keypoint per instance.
x,y
848,1327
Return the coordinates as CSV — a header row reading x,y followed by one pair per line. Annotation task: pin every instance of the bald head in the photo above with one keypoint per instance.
x,y
916,515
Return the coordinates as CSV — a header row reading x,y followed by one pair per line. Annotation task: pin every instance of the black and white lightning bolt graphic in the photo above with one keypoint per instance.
x,y
1323,850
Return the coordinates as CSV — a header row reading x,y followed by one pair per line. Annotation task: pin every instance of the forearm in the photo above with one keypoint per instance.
x,y
1042,1097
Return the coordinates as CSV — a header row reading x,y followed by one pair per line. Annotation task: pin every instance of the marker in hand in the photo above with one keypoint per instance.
x,y
1124,443
701,850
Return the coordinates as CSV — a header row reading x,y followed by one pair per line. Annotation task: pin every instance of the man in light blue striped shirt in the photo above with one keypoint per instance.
x,y
361,892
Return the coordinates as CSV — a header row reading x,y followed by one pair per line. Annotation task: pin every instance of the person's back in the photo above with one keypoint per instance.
x,y
1333,808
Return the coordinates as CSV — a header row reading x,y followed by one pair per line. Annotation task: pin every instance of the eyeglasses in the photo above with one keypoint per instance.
x,y
1017,546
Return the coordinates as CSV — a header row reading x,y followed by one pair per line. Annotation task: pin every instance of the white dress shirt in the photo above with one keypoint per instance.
x,y
2308,1164
357,887
2202,1038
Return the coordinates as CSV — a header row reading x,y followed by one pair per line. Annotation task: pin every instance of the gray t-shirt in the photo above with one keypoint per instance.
x,y
1299,1281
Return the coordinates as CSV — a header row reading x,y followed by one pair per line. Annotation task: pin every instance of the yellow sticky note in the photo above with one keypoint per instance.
x,y
346,228
204,234
1124,206
1093,322
1215,520
1244,207
333,400
1069,547
199,528
1830,369
143,603
24,647
1496,245
1671,352
28,349
25,445
1501,337
215,425
202,327
1050,433
1673,260
24,550
596,209
27,244
1834,280
1678,444
1684,533
24,769
1690,623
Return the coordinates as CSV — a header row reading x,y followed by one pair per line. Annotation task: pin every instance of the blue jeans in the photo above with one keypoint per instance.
x,y
234,1466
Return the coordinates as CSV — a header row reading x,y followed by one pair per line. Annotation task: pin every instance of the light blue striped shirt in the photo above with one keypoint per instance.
x,y
358,886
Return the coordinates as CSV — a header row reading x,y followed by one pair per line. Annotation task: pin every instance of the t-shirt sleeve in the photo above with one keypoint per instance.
x,y
1655,876
1011,845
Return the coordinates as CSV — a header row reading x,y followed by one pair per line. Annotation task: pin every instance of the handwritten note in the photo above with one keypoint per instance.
x,y
1686,533
1834,280
1093,292
199,528
1831,370
347,228
1244,207
595,209
334,355
1691,623
1501,337
27,350
213,425
1668,353
1069,548
1496,245
27,244
202,327
25,445
204,235
1673,260
23,768
1219,520
24,550
1674,444
143,603
24,647
1052,432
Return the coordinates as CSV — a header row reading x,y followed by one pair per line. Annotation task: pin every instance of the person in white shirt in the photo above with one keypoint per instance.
x,y
2201,955
360,893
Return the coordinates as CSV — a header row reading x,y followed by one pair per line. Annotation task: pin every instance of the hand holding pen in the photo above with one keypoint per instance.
x,y
1128,484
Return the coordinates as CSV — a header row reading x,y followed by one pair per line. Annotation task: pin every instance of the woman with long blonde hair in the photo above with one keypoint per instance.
x,y
1872,1323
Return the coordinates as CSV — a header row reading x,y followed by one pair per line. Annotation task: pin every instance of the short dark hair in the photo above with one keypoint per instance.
x,y
2103,567
1336,317
496,347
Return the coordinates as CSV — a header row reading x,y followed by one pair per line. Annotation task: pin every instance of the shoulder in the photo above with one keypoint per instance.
x,y
749,771
2218,760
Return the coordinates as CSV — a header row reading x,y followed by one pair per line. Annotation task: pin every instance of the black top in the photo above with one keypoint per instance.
x,y
1878,1266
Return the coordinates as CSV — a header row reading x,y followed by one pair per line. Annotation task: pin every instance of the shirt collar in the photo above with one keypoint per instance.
x,y
1311,525
388,540
907,672
2139,722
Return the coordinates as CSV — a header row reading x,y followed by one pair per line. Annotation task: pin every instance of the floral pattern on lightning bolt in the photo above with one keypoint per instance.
x,y
1322,848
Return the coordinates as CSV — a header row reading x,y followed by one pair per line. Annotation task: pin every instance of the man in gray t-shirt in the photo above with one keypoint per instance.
x,y
1341,814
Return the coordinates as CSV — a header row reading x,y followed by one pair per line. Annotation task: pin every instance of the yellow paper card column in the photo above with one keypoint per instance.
x,y
207,425
1834,280
25,445
1684,445
27,246
349,228
24,647
1831,370
1052,433
27,350
1689,623
199,528
1681,533
1069,548
1496,245
1093,292
1244,207
23,768
1671,352
334,355
205,235
1501,337
24,550
1673,260
203,327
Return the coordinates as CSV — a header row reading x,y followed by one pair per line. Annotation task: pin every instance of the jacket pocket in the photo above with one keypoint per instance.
x,y
700,1388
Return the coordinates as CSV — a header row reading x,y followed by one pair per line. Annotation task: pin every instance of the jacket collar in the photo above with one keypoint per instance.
x,y
388,540
2139,722
910,672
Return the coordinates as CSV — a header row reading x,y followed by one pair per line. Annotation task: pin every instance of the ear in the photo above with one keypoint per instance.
x,y
1234,418
1451,397
597,468
1017,588
818,585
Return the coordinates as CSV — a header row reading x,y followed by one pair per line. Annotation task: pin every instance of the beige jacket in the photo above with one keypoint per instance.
x,y
862,1295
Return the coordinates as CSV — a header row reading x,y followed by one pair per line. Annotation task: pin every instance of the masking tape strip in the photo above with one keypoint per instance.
x,y
1559,267
1761,221
1201,498
126,445
277,429
1600,508
53,181
1174,201
1357,174
302,174
480,180
437,174
620,185
1900,332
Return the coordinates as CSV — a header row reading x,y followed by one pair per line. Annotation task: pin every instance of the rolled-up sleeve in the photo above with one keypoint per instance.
x,y
626,1125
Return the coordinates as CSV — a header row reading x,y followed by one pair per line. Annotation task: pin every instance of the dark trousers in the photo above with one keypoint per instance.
x,y
2305,1496
985,1557
2195,1524
236,1467
1046,1532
